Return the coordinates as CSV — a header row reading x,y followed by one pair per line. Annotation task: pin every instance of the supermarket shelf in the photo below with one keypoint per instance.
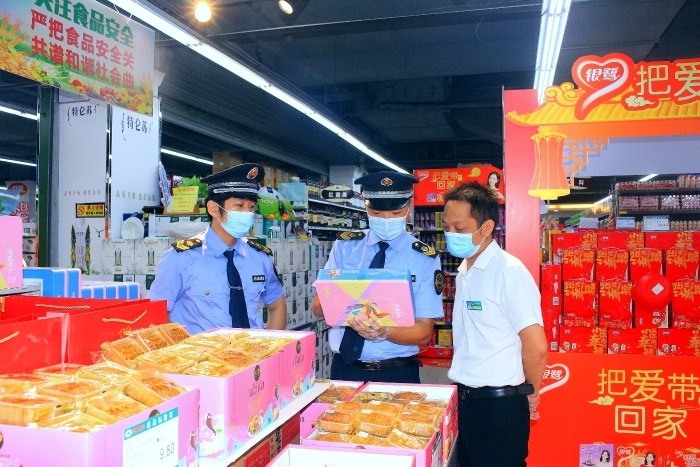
x,y
19,290
337,205
286,414
670,191
334,229
661,212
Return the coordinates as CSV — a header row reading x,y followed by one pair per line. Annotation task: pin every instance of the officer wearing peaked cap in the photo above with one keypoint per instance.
x,y
374,353
218,278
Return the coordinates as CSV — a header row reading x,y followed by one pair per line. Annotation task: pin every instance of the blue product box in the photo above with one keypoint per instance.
x,y
56,282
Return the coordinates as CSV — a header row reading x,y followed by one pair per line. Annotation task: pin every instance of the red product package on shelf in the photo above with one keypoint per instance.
x,y
667,240
615,304
632,341
651,319
562,241
551,287
682,263
612,263
579,263
622,240
679,342
551,320
580,298
686,304
644,261
582,340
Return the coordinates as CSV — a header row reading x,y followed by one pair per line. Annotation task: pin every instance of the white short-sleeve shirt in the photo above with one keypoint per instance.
x,y
496,299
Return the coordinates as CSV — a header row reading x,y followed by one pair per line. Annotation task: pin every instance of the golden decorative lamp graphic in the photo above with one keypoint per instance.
x,y
549,181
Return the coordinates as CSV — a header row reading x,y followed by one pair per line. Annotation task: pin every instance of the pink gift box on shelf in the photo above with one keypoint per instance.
x,y
314,410
235,408
383,294
297,362
11,274
439,447
169,428
307,456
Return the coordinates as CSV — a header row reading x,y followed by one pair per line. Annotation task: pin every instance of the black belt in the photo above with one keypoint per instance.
x,y
467,393
398,362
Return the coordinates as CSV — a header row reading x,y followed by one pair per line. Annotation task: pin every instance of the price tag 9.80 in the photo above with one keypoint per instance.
x,y
153,443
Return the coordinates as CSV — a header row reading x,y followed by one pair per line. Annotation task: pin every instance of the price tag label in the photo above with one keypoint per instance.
x,y
625,223
153,443
656,224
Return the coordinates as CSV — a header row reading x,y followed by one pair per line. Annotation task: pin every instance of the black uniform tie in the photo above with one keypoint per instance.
x,y
236,306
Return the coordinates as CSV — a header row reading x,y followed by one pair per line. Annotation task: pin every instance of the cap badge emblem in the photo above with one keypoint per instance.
x,y
253,173
387,182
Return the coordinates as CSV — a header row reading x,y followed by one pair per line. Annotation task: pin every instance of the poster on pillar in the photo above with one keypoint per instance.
x,y
82,156
82,47
135,143
435,182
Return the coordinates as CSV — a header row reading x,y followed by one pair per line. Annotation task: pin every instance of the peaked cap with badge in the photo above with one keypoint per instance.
x,y
387,191
241,181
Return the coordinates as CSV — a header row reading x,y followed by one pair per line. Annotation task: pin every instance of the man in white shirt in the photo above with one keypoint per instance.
x,y
500,344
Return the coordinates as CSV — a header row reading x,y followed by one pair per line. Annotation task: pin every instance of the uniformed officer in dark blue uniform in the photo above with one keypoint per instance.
x,y
218,278
362,353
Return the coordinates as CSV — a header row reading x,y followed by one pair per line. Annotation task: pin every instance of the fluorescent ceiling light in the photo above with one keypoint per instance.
x,y
15,161
648,177
19,113
607,198
570,207
555,13
186,156
167,26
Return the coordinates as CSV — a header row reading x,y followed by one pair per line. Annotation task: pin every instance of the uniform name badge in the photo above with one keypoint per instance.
x,y
260,278
474,306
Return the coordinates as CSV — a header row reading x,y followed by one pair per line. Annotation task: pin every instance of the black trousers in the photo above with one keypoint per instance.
x,y
341,371
493,432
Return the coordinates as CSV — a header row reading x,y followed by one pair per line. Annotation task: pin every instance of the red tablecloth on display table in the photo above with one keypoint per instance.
x,y
624,400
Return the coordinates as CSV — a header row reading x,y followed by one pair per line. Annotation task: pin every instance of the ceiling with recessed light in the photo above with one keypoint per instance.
x,y
419,80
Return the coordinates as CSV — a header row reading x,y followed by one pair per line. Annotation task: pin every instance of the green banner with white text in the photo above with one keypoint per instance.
x,y
80,46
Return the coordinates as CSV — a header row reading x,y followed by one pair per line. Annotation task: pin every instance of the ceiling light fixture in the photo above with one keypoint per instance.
x,y
19,113
169,27
555,13
287,6
648,177
15,161
202,13
186,156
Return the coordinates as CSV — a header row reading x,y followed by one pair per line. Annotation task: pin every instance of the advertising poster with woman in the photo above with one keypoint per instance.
x,y
435,182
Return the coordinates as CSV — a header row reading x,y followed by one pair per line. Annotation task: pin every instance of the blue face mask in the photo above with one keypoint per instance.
x,y
238,223
461,245
387,229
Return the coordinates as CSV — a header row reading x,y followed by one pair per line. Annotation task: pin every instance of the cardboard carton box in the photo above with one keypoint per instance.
x,y
632,341
645,261
579,263
148,252
551,287
621,240
679,342
682,263
612,263
667,240
118,257
580,299
582,340
615,304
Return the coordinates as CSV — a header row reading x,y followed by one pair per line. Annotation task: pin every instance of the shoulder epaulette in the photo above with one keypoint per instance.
x,y
359,235
259,247
425,249
184,245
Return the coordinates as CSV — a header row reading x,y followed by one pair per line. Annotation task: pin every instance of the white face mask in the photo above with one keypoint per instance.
x,y
238,223
387,229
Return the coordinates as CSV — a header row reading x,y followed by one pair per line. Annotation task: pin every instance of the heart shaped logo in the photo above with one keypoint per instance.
x,y
554,376
601,79
423,174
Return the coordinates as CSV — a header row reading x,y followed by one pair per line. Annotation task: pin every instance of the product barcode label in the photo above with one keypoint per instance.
x,y
365,411
362,434
553,346
555,301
